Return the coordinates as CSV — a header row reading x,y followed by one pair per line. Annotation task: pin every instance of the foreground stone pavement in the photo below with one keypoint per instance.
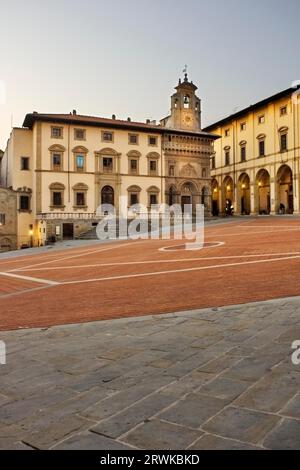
x,y
212,379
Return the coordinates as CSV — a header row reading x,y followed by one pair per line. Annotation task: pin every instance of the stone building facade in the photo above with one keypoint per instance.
x,y
8,220
256,165
65,165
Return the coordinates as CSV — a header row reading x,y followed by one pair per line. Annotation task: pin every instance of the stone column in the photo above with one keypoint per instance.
x,y
273,196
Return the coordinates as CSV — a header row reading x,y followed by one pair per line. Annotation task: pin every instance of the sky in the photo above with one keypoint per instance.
x,y
124,57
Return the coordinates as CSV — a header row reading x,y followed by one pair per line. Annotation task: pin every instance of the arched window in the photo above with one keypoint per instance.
x,y
108,195
172,196
186,102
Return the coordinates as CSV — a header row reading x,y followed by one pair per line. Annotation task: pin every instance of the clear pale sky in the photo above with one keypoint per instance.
x,y
124,57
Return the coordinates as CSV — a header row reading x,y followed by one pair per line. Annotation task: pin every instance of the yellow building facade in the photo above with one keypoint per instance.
x,y
64,166
256,165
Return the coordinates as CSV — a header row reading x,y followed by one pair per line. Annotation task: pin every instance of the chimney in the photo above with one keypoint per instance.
x,y
113,117
74,112
148,121
128,119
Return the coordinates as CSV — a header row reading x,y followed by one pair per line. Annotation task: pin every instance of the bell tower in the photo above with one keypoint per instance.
x,y
185,107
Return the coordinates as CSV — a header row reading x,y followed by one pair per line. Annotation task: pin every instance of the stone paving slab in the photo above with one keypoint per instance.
x,y
217,378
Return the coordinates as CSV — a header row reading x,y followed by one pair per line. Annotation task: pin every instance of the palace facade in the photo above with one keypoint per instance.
x,y
256,165
64,166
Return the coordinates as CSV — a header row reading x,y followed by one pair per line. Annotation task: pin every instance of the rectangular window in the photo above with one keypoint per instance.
x,y
243,154
283,111
56,161
172,170
261,119
24,163
133,166
107,137
153,199
152,141
133,139
2,219
80,199
57,199
227,133
283,143
79,162
134,199
243,126
261,148
107,165
79,134
213,163
153,166
57,132
227,158
24,203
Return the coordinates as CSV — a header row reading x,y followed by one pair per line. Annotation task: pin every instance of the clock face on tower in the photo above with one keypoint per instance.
x,y
188,120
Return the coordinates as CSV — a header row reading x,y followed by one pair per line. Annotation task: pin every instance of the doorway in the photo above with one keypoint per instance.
x,y
68,231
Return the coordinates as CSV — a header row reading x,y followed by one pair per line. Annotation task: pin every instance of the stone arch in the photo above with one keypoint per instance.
x,y
285,190
244,195
189,194
263,192
215,198
172,195
227,192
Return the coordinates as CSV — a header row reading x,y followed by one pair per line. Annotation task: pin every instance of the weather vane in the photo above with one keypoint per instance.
x,y
185,69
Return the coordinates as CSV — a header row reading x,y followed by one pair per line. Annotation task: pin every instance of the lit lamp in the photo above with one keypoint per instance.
x,y
228,188
215,190
260,184
243,186
31,235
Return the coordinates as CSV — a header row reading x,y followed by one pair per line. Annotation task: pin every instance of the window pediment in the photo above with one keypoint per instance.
x,y
57,186
80,149
108,152
134,154
57,148
153,189
134,189
153,156
80,187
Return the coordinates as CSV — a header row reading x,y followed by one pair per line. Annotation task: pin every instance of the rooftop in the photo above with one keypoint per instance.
x,y
77,119
252,107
